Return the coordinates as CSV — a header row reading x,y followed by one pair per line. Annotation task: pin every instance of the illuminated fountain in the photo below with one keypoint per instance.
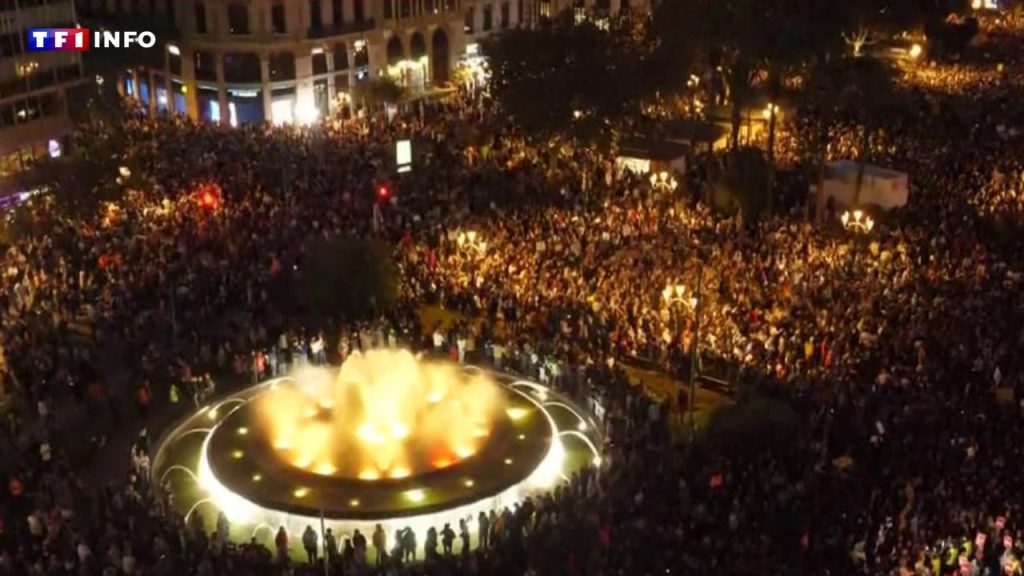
x,y
383,415
386,438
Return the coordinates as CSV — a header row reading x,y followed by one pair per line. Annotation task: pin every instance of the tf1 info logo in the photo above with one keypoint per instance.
x,y
80,39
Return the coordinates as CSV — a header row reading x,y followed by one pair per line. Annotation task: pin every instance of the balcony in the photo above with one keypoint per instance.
x,y
340,30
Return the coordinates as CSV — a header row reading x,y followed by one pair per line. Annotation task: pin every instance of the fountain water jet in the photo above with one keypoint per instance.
x,y
384,414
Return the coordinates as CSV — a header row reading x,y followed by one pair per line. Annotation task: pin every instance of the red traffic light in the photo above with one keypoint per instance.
x,y
209,197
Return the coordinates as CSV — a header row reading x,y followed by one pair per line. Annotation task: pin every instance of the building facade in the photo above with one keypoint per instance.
x,y
293,61
34,86
240,61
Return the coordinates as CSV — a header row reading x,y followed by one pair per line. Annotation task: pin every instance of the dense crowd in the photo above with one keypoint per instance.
x,y
900,352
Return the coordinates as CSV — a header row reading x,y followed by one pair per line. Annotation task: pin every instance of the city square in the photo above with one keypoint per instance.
x,y
511,287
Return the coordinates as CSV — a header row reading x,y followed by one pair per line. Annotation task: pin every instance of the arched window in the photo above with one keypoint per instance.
x,y
396,51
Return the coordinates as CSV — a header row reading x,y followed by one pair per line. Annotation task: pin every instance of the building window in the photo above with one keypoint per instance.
x,y
282,66
338,13
359,11
319,62
545,8
171,12
340,56
389,9
278,18
174,64
504,15
242,68
201,18
488,17
470,17
520,14
316,15
406,8
238,18
430,7
205,66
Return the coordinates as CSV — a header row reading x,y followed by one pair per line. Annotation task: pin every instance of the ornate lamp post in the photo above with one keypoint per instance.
x,y
676,294
664,182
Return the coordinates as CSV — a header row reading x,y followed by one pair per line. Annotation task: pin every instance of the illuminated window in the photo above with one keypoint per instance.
x,y
545,8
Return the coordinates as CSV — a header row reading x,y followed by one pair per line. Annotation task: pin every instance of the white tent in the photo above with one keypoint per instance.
x,y
881,187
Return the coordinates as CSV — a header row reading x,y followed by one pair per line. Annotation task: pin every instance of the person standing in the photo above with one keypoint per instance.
x,y
447,539
310,541
380,544
331,545
281,543
484,529
464,537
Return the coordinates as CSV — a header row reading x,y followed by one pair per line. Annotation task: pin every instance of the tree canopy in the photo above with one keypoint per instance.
x,y
347,277
568,77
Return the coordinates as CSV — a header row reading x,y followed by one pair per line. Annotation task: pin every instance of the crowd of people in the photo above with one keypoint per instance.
x,y
899,351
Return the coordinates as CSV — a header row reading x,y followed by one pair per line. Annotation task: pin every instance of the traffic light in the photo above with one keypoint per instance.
x,y
383,191
209,197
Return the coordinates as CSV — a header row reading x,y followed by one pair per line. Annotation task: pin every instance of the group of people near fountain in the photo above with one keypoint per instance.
x,y
901,355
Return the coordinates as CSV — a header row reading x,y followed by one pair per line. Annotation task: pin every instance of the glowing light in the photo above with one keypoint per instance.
x,y
325,469
399,432
310,412
400,473
283,444
435,397
442,463
596,461
481,433
354,503
508,461
915,51
213,414
303,462
469,483
257,477
522,436
582,426
301,492
306,111
242,431
464,452
369,475
415,496
237,454
174,50
517,413
327,404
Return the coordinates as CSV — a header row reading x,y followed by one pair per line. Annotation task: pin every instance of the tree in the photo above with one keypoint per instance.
x,y
347,277
570,77
868,89
756,423
742,185
378,92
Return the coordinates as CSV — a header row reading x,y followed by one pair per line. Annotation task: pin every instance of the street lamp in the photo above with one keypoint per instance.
x,y
857,222
664,182
674,294
471,242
